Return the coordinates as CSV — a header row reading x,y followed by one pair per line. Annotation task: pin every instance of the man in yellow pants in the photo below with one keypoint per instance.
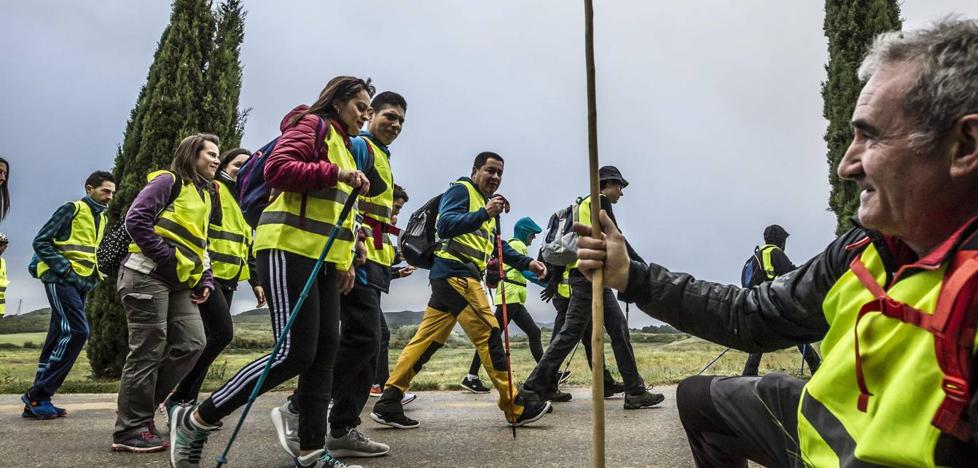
x,y
466,224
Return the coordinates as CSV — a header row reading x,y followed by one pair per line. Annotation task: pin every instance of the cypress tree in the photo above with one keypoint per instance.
x,y
850,26
168,108
221,116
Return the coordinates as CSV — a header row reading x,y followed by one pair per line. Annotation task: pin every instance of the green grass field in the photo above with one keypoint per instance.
x,y
659,363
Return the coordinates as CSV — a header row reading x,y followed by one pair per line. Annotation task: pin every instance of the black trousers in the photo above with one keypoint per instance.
x,y
807,352
383,357
515,313
219,330
561,303
308,351
575,324
356,360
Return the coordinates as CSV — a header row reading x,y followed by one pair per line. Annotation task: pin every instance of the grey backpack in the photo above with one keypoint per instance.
x,y
560,240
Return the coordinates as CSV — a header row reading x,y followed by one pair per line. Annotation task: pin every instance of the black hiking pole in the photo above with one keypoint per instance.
x,y
505,324
713,361
222,459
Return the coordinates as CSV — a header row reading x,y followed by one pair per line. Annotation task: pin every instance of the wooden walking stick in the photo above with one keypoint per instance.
x,y
597,280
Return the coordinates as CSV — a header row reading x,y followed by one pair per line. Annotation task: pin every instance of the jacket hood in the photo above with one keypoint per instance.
x,y
524,227
776,235
288,117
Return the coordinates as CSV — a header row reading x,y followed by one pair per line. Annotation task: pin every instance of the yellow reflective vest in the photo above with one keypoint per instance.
x,y
766,263
563,288
379,208
230,241
300,223
79,247
474,247
515,282
4,282
183,225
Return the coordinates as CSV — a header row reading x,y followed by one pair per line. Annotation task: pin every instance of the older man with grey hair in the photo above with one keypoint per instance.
x,y
893,300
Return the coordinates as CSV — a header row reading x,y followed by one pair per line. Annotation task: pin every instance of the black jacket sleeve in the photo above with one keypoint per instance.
x,y
780,262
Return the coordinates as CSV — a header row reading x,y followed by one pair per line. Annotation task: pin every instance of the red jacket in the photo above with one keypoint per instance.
x,y
293,166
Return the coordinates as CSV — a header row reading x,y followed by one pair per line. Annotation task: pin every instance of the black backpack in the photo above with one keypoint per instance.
x,y
417,240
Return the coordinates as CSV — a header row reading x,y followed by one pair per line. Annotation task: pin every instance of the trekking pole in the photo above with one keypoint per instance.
x,y
804,349
505,325
597,279
222,459
713,361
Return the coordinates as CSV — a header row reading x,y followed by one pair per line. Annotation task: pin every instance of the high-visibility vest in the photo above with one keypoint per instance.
x,y
300,223
183,225
563,288
582,215
766,263
514,279
229,242
877,395
379,208
474,247
4,282
79,247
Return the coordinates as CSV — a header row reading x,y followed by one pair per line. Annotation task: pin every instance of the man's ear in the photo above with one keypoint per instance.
x,y
963,150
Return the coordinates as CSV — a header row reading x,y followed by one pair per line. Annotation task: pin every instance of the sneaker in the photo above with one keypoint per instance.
x,y
532,412
408,398
321,459
613,388
396,420
474,385
40,409
187,439
563,376
144,442
376,391
555,396
286,424
30,415
643,400
355,444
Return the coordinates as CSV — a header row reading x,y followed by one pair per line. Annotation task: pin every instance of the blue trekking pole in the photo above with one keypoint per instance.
x,y
222,459
804,349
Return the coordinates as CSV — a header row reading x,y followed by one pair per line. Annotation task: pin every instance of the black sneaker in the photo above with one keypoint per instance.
x,y
395,420
143,442
613,388
532,412
474,385
556,396
645,399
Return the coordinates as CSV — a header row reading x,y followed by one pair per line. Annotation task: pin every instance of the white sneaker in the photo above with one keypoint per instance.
x,y
355,444
408,398
287,428
321,459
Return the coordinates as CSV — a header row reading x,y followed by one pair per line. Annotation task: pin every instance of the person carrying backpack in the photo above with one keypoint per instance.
x,y
229,248
162,280
64,261
768,262
311,180
467,222
524,231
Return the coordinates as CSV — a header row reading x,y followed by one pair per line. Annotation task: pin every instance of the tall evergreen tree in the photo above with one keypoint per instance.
x,y
168,109
850,26
221,116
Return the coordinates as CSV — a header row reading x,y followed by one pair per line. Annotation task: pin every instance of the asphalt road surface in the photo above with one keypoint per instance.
x,y
457,430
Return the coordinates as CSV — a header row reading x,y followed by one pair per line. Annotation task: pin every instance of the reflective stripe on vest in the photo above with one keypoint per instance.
x,y
183,225
4,282
898,364
515,282
474,247
229,242
766,263
301,223
79,247
380,208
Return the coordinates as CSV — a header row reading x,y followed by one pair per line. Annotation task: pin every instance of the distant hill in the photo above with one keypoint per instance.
x,y
33,321
405,317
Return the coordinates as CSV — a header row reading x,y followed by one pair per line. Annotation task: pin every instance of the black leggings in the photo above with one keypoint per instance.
x,y
308,351
219,330
515,313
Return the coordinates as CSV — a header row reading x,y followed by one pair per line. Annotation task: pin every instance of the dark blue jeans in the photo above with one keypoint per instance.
x,y
66,338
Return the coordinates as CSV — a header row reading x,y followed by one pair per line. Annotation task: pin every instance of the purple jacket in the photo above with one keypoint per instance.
x,y
140,221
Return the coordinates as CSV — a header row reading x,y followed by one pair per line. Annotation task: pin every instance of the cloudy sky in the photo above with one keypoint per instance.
x,y
710,109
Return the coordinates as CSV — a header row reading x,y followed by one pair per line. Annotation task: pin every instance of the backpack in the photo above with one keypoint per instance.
x,y
115,242
253,192
753,273
417,240
559,239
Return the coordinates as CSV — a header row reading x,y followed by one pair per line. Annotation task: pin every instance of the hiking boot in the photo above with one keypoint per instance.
x,y
474,385
187,438
532,411
376,391
612,388
563,376
39,409
321,459
408,398
556,396
355,444
390,412
643,400
286,422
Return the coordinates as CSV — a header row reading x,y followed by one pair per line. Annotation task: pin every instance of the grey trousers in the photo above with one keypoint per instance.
x,y
166,335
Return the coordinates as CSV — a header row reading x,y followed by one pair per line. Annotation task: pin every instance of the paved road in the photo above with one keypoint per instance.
x,y
457,430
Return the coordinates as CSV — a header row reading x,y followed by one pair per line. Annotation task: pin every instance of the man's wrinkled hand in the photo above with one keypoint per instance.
x,y
608,254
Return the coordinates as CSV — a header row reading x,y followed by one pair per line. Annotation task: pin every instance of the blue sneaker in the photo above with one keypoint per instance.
x,y
42,409
28,415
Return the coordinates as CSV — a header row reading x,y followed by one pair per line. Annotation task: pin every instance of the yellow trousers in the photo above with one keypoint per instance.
x,y
458,300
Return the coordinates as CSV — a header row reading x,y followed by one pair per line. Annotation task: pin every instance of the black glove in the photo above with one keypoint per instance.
x,y
548,292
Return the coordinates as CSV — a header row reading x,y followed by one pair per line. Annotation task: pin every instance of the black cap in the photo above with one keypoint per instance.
x,y
611,173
